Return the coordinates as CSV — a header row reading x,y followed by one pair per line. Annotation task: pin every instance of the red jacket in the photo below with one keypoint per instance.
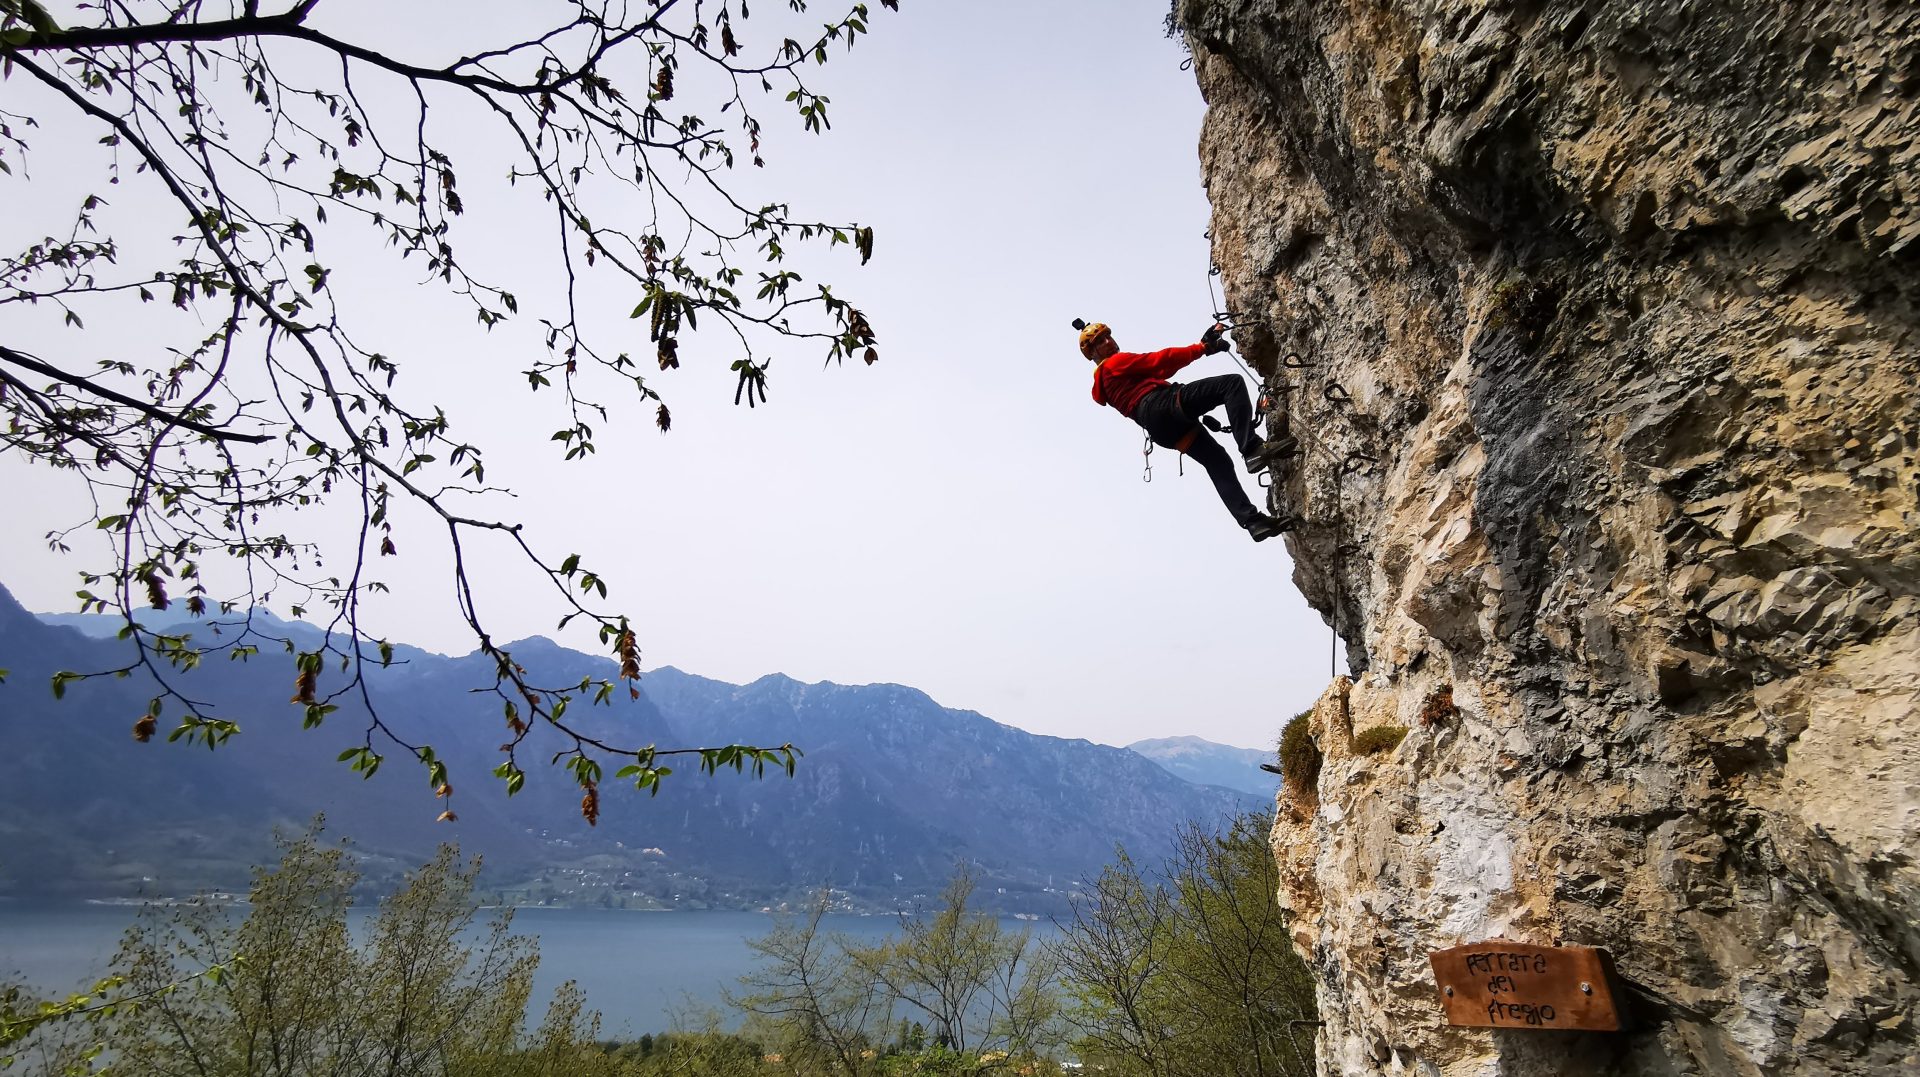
x,y
1121,379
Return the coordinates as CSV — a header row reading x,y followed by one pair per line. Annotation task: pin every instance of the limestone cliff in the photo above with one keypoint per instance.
x,y
1611,434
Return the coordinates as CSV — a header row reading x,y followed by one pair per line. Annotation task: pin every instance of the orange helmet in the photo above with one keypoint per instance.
x,y
1091,336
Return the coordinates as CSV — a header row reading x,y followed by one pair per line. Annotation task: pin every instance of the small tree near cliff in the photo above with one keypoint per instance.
x,y
260,144
1193,974
971,995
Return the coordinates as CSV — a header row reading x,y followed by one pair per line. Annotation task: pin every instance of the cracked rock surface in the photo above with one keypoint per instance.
x,y
1611,313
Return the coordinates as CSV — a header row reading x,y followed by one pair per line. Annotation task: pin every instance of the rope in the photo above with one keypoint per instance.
x,y
1339,525
1335,395
1223,315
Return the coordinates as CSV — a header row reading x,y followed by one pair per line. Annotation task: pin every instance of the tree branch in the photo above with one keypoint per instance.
x,y
101,37
21,360
289,25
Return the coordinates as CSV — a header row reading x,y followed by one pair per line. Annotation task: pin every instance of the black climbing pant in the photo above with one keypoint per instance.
x,y
1172,412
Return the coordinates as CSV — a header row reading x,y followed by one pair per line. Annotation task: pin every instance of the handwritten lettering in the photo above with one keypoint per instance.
x,y
1525,1013
1515,985
1503,962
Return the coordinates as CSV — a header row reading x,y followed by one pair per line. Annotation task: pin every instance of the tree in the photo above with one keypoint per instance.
x,y
1112,958
429,991
812,998
978,996
1195,975
55,1030
269,143
979,987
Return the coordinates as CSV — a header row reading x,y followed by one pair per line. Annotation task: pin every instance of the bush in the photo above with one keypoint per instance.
x,y
1438,708
1381,738
1299,756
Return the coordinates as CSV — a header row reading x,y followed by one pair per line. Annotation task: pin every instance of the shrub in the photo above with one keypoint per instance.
x,y
1381,738
1439,707
1299,756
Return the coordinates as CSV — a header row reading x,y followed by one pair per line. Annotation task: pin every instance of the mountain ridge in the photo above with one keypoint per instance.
x,y
1205,762
893,788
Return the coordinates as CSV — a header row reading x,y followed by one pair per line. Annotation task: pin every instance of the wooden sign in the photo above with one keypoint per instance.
x,y
1498,984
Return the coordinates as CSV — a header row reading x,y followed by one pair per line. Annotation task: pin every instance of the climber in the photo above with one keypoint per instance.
x,y
1135,384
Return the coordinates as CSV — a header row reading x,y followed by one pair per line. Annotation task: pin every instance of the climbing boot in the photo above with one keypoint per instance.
x,y
1263,527
1271,451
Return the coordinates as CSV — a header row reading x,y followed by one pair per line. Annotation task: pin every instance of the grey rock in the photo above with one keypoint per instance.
x,y
1648,273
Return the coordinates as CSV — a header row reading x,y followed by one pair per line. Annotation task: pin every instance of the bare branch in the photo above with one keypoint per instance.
x,y
21,359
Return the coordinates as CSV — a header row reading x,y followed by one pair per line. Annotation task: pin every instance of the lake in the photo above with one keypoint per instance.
x,y
639,969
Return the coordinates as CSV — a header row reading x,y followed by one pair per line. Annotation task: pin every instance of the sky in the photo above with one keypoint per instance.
x,y
959,517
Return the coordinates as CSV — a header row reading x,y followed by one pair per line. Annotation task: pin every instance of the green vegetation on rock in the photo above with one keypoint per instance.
x,y
1299,756
1381,738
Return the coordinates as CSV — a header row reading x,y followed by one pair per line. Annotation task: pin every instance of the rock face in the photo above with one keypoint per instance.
x,y
1611,423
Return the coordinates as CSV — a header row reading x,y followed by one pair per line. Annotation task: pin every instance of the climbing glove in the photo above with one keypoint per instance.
x,y
1215,339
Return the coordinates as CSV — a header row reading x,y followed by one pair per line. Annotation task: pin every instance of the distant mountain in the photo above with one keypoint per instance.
x,y
1205,763
893,790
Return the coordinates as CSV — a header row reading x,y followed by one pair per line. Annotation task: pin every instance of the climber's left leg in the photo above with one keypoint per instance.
x,y
1227,391
1226,481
